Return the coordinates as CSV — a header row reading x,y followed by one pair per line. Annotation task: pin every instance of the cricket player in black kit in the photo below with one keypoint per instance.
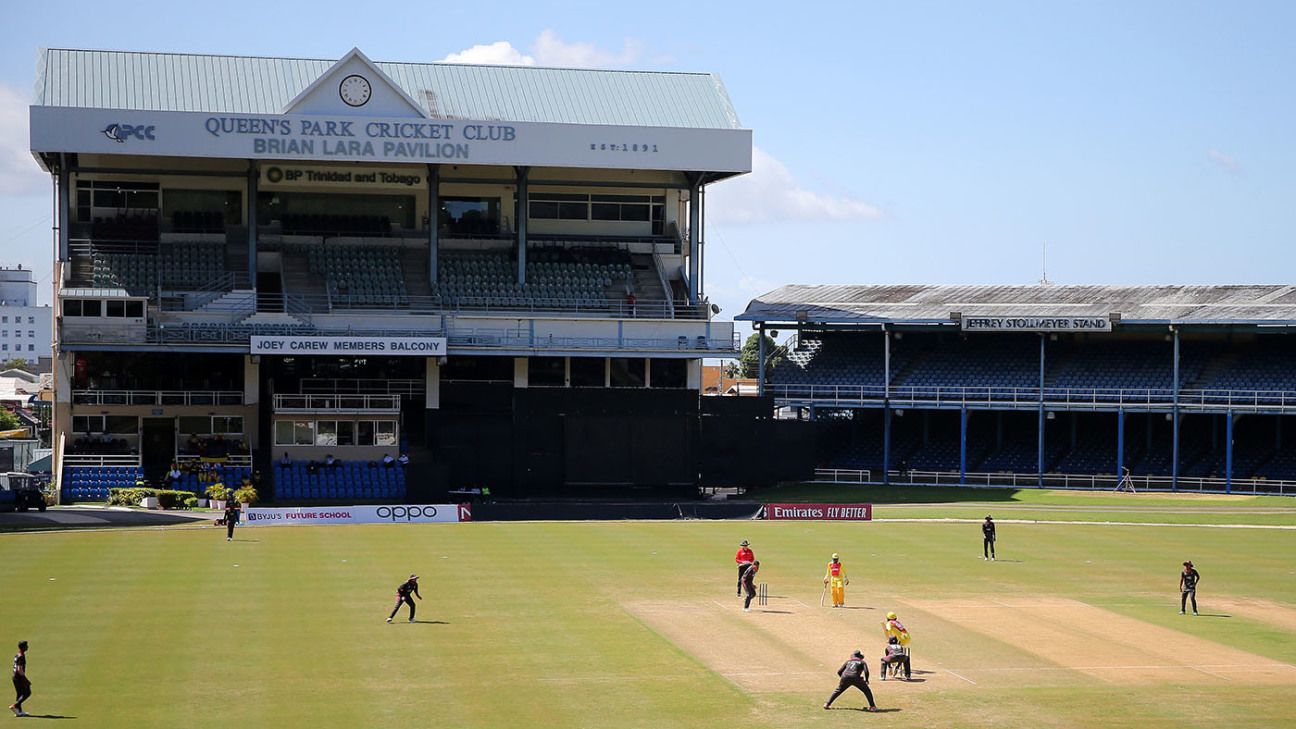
x,y
988,539
405,594
22,686
231,519
1188,580
854,672
749,584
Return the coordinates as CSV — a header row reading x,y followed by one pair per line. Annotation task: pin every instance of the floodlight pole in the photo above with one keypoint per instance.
x,y
1040,444
1228,452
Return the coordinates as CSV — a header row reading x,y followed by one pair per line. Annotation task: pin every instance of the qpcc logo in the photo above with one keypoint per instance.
x,y
119,133
406,513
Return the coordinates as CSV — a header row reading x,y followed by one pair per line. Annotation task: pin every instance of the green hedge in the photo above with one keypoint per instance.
x,y
133,496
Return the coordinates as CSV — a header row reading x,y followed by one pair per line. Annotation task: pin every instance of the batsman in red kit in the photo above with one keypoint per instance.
x,y
744,557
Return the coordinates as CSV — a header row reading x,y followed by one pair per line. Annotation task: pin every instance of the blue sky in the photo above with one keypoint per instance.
x,y
923,142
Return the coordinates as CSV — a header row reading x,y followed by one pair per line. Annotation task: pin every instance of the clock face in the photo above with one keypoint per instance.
x,y
355,90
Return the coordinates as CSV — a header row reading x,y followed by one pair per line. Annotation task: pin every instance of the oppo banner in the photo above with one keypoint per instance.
x,y
386,514
820,512
390,346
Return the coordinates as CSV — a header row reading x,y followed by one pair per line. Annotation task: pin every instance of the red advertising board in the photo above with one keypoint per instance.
x,y
820,512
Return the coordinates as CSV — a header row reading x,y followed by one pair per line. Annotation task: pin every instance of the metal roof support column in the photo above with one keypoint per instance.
x,y
63,199
1228,452
760,361
1120,444
886,363
886,443
1041,411
1174,416
250,205
522,210
963,432
694,235
434,220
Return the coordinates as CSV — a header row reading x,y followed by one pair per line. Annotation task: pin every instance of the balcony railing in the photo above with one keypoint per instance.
x,y
157,397
361,386
94,459
351,403
1097,482
1076,398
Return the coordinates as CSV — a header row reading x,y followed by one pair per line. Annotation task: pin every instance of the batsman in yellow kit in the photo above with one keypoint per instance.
x,y
836,577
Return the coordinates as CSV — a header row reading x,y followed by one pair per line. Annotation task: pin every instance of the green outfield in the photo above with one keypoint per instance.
x,y
635,624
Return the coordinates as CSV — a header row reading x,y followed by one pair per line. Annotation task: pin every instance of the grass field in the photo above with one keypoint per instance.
x,y
635,624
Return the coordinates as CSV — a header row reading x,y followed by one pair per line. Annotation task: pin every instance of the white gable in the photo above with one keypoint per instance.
x,y
372,94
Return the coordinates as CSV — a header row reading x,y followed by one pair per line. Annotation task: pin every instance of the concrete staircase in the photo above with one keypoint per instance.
x,y
297,276
272,318
230,301
414,270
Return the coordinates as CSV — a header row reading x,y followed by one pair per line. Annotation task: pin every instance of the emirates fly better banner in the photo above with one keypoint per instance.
x,y
386,514
820,512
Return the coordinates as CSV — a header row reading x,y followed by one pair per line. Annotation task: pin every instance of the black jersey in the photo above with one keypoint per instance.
x,y
854,668
749,577
20,665
988,530
407,587
1190,578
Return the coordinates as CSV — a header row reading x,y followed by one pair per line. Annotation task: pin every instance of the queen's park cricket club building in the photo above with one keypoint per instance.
x,y
497,270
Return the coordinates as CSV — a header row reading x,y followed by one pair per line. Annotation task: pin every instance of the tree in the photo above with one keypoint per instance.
x,y
18,363
749,358
9,421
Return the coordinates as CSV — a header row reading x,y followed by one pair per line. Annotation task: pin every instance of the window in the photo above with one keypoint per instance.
x,y
588,372
577,206
4,319
326,433
17,334
31,333
115,308
90,307
365,433
31,320
345,433
195,425
121,424
135,309
386,433
628,372
31,348
87,424
303,432
470,215
546,371
559,206
72,307
230,425
669,373
4,347
284,433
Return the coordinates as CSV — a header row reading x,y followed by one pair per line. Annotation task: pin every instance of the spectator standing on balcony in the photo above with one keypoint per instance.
x,y
285,461
173,476
388,461
403,460
630,302
330,461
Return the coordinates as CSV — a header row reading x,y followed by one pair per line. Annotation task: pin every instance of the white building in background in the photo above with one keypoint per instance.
x,y
25,328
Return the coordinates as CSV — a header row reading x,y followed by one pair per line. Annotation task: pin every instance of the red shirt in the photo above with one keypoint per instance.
x,y
744,555
835,568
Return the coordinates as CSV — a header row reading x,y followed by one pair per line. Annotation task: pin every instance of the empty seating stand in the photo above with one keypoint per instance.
x,y
346,481
91,483
360,275
557,278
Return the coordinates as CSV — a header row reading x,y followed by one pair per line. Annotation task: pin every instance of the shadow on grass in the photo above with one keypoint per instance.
x,y
430,622
48,716
1212,615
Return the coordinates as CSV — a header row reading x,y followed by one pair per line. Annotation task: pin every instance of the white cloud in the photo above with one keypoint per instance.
x,y
550,50
499,53
771,193
18,170
1226,161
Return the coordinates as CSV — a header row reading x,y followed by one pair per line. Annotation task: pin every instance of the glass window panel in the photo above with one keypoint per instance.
x,y
72,307
544,210
346,433
121,424
90,307
634,212
669,373
326,433
135,309
194,425
386,435
115,308
365,433
588,371
304,432
627,372
284,433
607,211
573,211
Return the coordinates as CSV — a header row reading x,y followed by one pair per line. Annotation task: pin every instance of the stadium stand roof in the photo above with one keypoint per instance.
x,y
259,85
923,304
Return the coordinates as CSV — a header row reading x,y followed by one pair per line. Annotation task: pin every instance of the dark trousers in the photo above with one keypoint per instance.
x,y
1183,599
741,569
900,659
751,593
846,683
407,600
22,690
987,547
229,528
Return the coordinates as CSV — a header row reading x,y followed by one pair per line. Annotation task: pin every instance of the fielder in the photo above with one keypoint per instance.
x,y
404,592
854,672
988,539
1188,580
22,685
836,576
